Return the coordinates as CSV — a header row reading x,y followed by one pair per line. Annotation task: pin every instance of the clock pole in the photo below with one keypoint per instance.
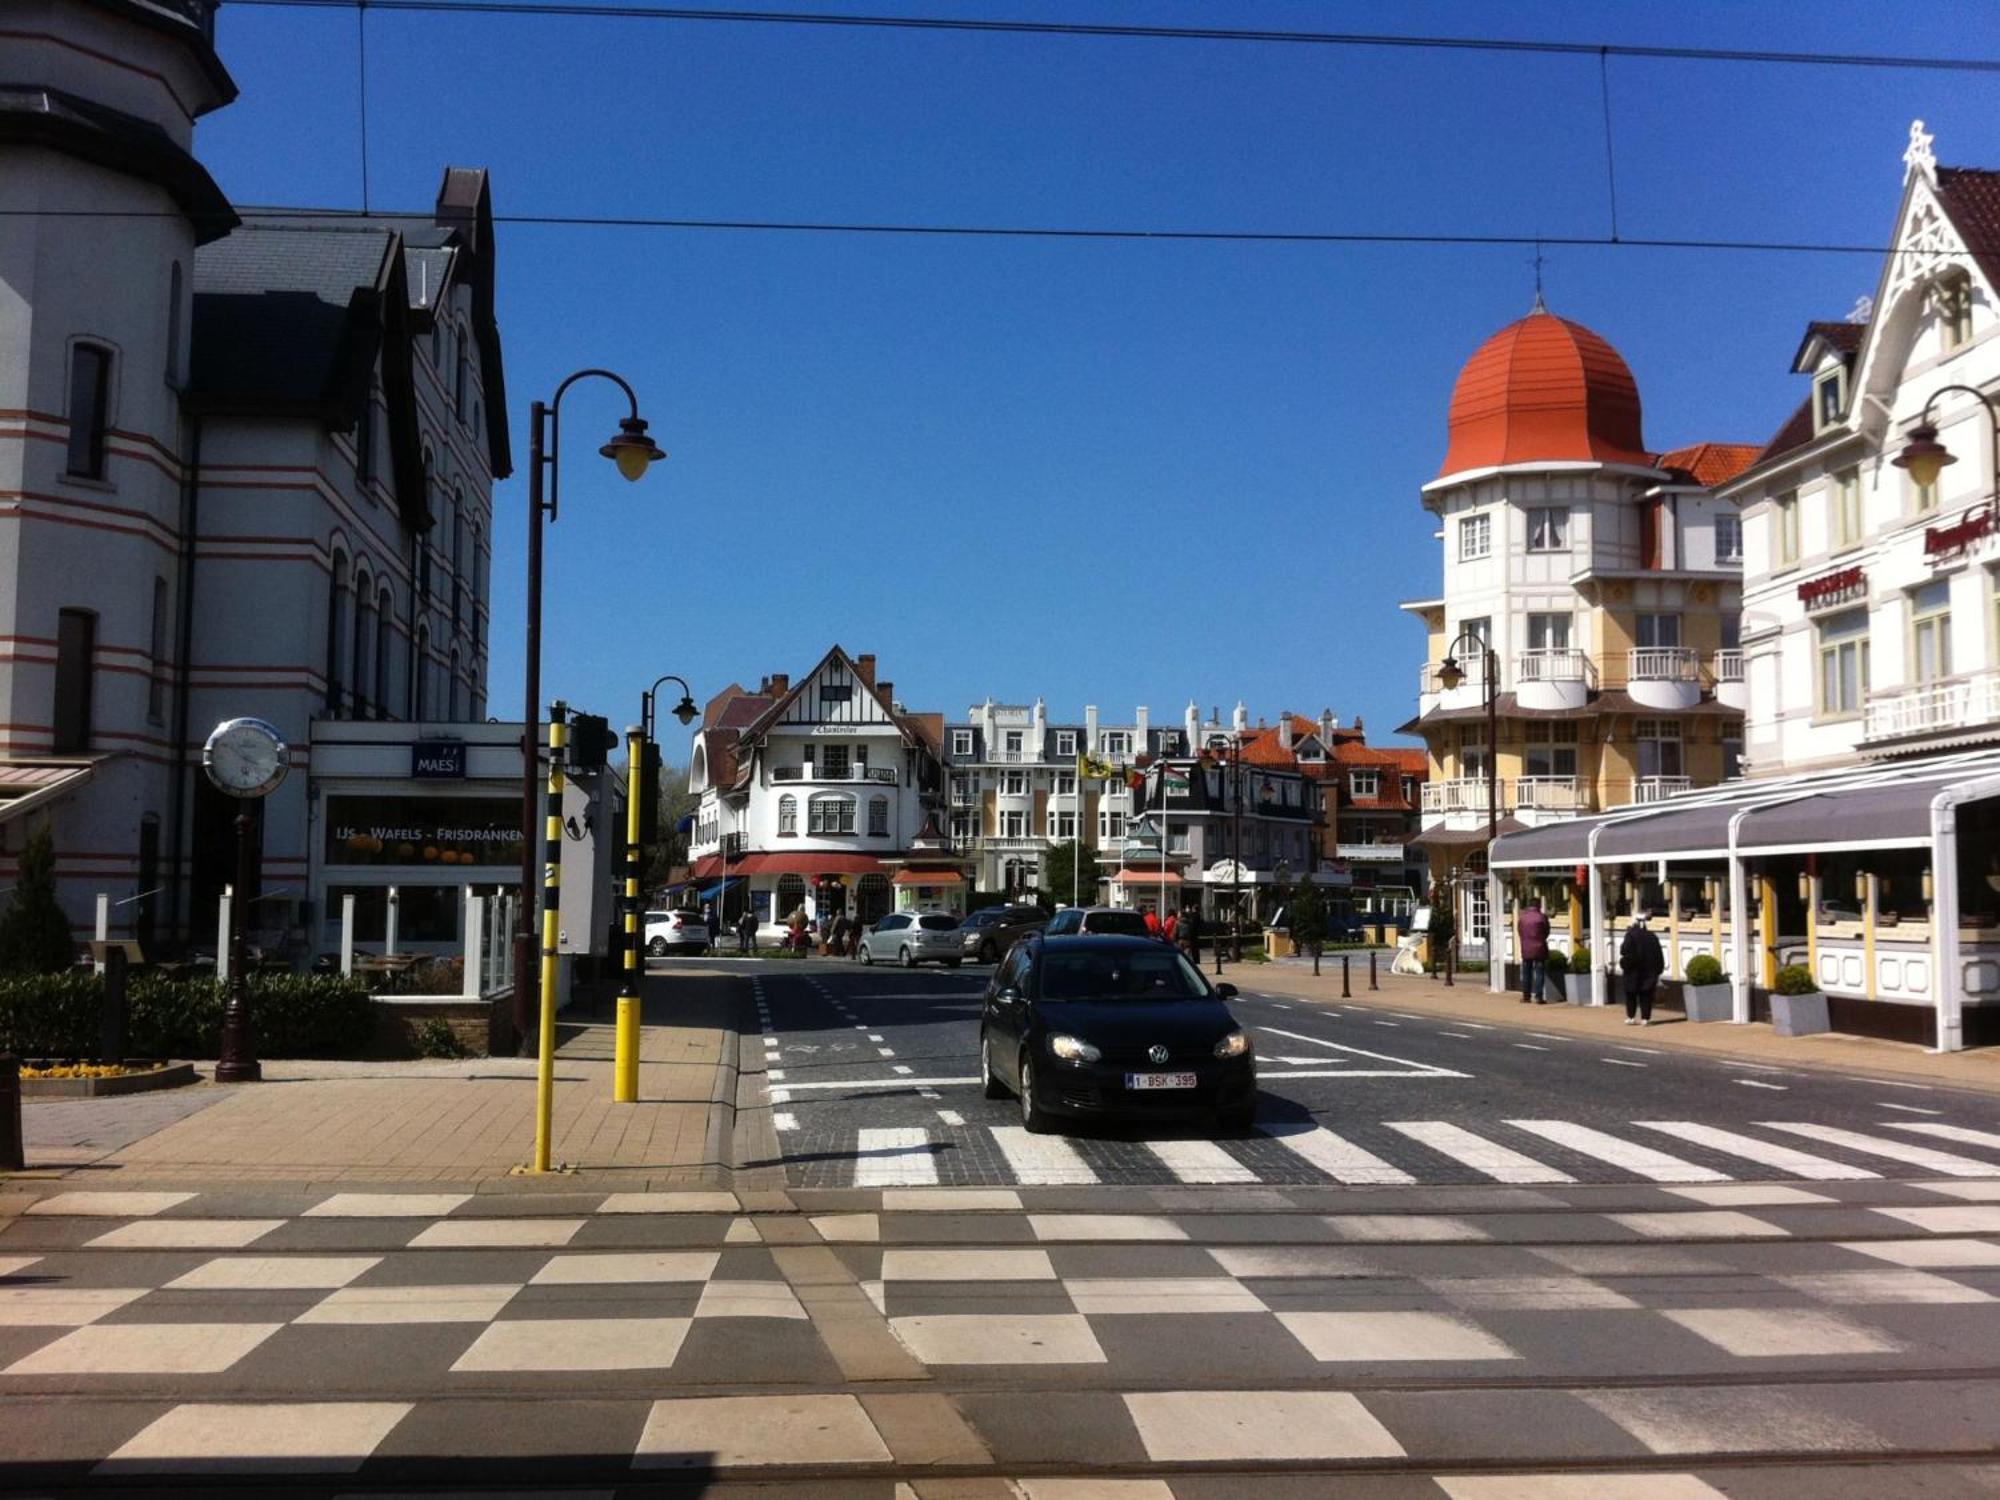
x,y
238,1061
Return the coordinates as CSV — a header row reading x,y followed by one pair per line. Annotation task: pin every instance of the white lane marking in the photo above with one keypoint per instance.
x,y
885,1083
781,1096
951,1117
1750,1067
1648,1051
1758,1083
775,1075
1621,1062
929,1094
900,1155
1550,1036
1642,1161
1408,1017
1367,1073
1041,1160
1475,1151
1908,1109
1388,1023
1340,1159
1530,1047
874,1036
1200,1161
860,1028
899,1068
1475,1026
785,1120
886,1051
1959,1133
1462,1035
1871,1145
1764,1153
1889,1083
1430,1068
1278,1005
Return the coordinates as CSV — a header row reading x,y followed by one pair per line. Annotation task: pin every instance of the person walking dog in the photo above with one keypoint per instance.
x,y
1532,927
1640,958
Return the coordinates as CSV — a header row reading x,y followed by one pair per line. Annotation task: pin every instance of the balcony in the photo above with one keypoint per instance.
x,y
964,797
1663,677
1935,707
1660,788
1470,692
1554,678
1731,688
1371,854
1562,794
880,775
1462,794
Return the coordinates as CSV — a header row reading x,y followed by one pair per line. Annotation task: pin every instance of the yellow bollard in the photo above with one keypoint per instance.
x,y
625,1054
545,1066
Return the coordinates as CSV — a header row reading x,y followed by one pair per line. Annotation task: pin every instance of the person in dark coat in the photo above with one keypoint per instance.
x,y
1533,929
1642,962
1189,935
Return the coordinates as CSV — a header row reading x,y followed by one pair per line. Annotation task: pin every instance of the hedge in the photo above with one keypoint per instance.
x,y
291,1015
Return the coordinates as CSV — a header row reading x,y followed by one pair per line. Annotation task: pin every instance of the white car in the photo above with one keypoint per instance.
x,y
910,938
675,932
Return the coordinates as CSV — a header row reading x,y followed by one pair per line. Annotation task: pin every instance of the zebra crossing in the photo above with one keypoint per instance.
x,y
1392,1153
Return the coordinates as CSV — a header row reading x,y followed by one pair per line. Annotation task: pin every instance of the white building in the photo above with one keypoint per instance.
x,y
823,796
246,464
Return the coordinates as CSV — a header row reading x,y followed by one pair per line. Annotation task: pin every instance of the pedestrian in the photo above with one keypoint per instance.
x,y
1189,933
1152,922
1173,926
1642,963
746,933
841,927
1533,929
708,916
796,926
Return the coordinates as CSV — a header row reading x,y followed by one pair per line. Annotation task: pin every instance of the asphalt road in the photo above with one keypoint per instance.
x,y
874,1080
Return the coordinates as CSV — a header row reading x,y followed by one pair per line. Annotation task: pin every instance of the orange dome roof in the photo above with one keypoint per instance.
x,y
1544,389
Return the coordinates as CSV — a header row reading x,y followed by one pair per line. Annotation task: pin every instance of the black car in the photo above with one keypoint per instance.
x,y
1113,1026
991,931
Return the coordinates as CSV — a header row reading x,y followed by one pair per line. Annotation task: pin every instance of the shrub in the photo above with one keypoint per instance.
x,y
34,930
434,1037
1703,969
291,1015
1558,963
1795,979
1579,958
434,976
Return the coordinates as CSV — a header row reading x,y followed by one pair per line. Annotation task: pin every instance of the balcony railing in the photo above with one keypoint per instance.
x,y
964,797
1551,793
1472,664
1562,664
1463,794
1662,664
1895,713
882,775
1660,788
1729,666
1371,854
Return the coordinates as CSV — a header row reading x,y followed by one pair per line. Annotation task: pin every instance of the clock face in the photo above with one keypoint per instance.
x,y
245,758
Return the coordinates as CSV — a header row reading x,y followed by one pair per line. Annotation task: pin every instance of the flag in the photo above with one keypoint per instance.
x,y
1093,768
1174,783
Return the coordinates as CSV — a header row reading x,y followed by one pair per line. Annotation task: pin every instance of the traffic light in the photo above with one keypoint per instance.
x,y
649,792
590,742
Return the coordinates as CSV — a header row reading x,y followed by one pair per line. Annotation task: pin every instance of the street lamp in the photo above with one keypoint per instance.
x,y
1925,458
633,452
641,764
684,710
1450,675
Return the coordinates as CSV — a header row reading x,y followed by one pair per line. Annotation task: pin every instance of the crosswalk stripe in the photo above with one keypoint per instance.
x,y
1642,1161
1200,1161
1765,1153
1041,1160
1474,1151
1905,1151
1951,1133
1340,1159
899,1156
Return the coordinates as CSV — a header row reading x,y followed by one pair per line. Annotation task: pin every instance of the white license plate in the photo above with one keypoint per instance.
x,y
1142,1081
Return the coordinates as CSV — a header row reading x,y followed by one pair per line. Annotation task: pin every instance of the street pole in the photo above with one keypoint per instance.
x,y
237,1062
625,1064
1236,864
1492,668
552,837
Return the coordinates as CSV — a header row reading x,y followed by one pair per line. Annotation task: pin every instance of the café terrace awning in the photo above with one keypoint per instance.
x,y
1861,807
27,785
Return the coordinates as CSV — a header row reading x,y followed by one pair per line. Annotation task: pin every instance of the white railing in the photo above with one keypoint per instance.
x,y
1464,794
1562,664
1659,788
1370,853
883,775
1934,706
1551,793
1472,664
1012,757
1661,664
1729,666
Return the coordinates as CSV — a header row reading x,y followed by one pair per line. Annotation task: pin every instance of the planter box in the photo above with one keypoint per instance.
x,y
1799,1015
1708,1002
1577,986
167,1076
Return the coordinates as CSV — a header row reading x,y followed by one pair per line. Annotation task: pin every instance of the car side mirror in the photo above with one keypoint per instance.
x,y
1009,996
1226,990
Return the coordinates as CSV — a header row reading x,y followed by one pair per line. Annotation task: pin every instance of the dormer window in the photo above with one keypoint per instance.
x,y
1829,397
1952,295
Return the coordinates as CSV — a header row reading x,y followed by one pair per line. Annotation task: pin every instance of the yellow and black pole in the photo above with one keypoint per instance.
x,y
625,1066
552,839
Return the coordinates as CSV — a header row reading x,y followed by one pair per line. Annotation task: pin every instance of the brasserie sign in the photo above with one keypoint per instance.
x,y
1943,542
1832,588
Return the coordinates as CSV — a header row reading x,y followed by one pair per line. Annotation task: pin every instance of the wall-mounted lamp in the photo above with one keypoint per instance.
x,y
1861,886
1927,886
1805,885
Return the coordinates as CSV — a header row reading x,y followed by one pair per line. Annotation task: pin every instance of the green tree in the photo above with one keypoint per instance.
x,y
1307,915
1061,867
34,930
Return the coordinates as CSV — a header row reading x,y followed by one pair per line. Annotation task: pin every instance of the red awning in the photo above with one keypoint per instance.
x,y
1147,877
928,877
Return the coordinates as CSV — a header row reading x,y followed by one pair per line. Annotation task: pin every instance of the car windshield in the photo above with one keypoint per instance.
x,y
1123,923
1127,974
983,918
937,924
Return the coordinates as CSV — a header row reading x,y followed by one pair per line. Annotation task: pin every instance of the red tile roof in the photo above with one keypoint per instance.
x,y
1972,197
1796,433
1544,388
1710,463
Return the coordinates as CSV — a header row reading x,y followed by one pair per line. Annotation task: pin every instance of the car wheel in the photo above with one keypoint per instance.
x,y
867,958
989,954
995,1089
909,959
657,948
1033,1120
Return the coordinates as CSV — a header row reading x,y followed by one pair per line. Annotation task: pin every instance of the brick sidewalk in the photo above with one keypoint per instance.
x,y
468,1124
1470,999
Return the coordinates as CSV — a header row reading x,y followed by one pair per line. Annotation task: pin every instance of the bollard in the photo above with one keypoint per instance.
x,y
1371,973
1343,978
111,1033
11,1159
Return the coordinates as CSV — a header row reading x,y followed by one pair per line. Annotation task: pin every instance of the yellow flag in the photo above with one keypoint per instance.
x,y
1090,768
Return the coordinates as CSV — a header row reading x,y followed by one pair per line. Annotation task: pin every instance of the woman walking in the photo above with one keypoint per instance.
x,y
1640,959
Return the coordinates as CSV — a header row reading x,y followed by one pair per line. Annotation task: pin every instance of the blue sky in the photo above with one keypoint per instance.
x,y
1098,472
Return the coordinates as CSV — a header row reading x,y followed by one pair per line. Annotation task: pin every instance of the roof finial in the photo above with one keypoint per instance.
x,y
1540,306
1919,157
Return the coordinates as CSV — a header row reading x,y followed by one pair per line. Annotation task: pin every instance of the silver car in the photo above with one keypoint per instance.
x,y
911,938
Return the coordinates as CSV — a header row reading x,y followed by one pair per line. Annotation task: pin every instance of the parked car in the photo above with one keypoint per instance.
x,y
911,938
988,933
1097,921
675,932
1113,1026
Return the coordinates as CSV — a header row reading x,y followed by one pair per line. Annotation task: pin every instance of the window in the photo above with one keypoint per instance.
x,y
1785,529
420,673
460,371
336,633
1013,825
1843,662
1062,825
834,762
1732,757
878,817
1013,741
156,681
457,560
1480,630
1952,294
89,400
1475,537
1829,396
1364,783
1548,529
836,692
964,827
76,645
791,896
1066,743
364,443
1472,750
1548,632
1410,790
385,616
1659,742
1930,631
1732,632
1846,495
1014,783
1177,838
1551,748
788,815
961,742
1657,632
1110,825
1117,742
830,815
1728,537
176,290
1065,783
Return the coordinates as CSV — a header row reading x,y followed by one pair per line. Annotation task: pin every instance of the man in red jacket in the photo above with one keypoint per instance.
x,y
1533,929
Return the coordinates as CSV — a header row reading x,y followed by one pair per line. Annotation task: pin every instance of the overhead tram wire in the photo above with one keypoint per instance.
x,y
1082,29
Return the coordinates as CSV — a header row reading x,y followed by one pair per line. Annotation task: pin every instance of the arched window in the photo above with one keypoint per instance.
x,y
461,371
878,817
871,898
176,286
451,685
89,409
788,814
830,815
458,559
791,895
472,587
336,634
385,630
363,656
420,673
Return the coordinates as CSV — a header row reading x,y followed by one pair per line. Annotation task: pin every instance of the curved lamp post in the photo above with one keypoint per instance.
x,y
1450,675
640,763
633,452
1925,457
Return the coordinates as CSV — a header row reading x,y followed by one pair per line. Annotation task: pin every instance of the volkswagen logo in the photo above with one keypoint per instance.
x,y
1156,1053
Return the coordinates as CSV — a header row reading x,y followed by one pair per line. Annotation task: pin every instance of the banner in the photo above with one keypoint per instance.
x,y
1092,768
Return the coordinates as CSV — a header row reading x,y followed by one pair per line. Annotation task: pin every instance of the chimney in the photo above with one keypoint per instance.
x,y
886,692
1284,731
1038,725
1141,740
864,668
1090,727
1191,720
1327,724
1240,720
778,683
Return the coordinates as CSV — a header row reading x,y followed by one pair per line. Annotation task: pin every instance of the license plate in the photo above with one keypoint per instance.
x,y
1138,1082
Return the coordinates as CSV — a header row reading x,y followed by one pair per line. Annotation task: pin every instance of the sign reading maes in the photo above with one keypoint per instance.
x,y
423,831
437,760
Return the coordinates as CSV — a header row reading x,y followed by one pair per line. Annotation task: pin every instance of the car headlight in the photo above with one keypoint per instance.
x,y
1236,1044
1073,1049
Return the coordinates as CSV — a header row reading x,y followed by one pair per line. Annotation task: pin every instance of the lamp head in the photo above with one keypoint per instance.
x,y
631,449
685,709
1923,455
1450,673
